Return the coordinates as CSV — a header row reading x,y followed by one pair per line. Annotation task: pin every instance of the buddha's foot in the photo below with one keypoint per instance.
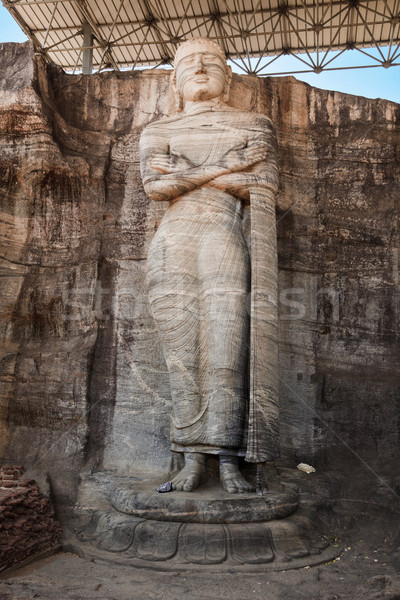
x,y
192,474
232,480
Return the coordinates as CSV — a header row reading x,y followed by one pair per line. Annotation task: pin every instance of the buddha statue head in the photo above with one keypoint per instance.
x,y
200,72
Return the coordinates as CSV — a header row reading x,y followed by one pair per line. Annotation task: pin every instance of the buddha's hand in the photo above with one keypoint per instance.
x,y
240,158
170,163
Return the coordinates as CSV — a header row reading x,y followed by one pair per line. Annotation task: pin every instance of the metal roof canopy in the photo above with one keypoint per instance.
x,y
79,34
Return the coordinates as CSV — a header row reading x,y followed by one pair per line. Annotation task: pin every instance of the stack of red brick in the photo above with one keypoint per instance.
x,y
27,522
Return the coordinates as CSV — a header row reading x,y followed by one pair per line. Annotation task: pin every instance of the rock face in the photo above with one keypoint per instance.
x,y
84,386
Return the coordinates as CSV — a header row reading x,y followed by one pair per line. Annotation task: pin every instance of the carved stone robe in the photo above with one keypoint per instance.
x,y
198,272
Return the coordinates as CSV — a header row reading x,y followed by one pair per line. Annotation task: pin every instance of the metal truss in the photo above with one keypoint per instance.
x,y
81,35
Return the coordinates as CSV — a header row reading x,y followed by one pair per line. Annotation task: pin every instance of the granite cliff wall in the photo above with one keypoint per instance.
x,y
84,388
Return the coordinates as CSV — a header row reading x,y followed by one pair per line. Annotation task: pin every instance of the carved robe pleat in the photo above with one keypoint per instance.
x,y
263,429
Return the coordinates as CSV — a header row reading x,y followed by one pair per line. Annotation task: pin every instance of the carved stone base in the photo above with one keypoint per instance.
x,y
213,533
208,504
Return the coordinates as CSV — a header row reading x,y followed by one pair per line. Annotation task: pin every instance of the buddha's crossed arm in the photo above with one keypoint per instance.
x,y
264,173
167,176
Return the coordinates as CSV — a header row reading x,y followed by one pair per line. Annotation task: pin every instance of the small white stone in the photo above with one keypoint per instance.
x,y
306,468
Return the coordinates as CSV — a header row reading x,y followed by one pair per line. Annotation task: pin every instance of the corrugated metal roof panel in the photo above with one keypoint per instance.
x,y
147,32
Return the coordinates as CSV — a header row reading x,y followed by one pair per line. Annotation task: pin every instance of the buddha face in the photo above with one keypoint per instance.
x,y
200,73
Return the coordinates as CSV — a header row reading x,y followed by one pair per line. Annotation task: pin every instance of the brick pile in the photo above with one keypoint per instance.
x,y
27,522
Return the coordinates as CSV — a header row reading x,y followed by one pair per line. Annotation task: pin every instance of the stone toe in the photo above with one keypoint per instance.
x,y
230,487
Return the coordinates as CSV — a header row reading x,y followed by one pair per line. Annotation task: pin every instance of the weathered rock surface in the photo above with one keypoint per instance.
x,y
84,387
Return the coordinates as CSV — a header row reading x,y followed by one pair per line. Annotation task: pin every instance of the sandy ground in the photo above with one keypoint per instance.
x,y
368,530
69,577
368,569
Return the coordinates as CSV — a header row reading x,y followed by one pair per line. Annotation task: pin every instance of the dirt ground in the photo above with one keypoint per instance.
x,y
368,569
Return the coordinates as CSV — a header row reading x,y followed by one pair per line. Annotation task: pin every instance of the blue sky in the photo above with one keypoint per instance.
x,y
372,83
